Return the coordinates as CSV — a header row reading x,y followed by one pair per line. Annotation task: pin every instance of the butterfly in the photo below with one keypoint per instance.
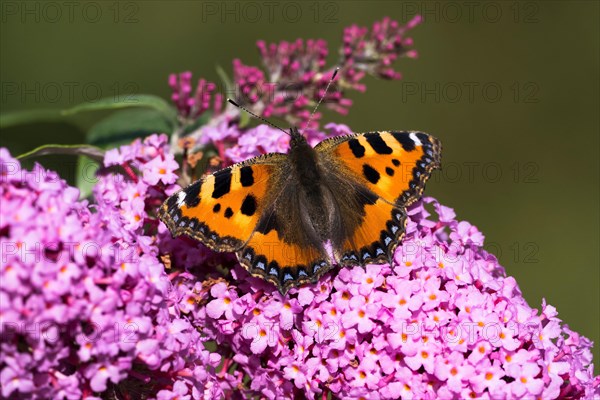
x,y
291,217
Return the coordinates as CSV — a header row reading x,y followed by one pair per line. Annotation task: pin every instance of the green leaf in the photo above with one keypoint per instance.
x,y
93,152
245,119
225,79
13,118
142,100
85,178
152,102
126,125
121,127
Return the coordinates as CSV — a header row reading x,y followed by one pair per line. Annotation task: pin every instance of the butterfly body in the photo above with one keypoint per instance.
x,y
290,217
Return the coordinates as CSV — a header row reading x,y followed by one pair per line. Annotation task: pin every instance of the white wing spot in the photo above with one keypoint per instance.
x,y
181,198
415,139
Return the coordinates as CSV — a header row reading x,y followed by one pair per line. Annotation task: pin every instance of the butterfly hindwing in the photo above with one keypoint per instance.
x,y
377,174
376,237
284,264
222,210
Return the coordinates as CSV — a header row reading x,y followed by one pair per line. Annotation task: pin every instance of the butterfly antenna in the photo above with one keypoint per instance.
x,y
257,117
322,97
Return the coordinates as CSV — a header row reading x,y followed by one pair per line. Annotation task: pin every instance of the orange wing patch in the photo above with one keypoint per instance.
x,y
222,209
393,165
376,238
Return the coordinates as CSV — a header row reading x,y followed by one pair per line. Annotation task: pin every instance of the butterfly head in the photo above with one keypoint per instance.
x,y
297,138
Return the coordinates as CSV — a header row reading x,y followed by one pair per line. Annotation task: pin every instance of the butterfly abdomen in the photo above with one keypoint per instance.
x,y
316,210
304,163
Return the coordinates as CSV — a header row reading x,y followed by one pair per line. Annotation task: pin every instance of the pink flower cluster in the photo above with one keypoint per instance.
x,y
443,322
375,51
87,307
296,75
189,106
98,299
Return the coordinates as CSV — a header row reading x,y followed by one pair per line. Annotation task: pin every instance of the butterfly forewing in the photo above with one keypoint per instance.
x,y
223,209
393,165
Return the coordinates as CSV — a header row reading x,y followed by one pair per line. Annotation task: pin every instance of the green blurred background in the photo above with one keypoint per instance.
x,y
511,89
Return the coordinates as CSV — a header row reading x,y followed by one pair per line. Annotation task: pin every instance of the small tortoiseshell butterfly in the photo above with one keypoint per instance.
x,y
279,212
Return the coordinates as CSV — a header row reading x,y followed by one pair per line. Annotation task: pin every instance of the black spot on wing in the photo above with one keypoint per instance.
x,y
396,162
378,144
172,202
222,183
371,174
246,177
364,196
249,205
192,194
404,139
217,208
228,213
389,171
357,149
267,223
